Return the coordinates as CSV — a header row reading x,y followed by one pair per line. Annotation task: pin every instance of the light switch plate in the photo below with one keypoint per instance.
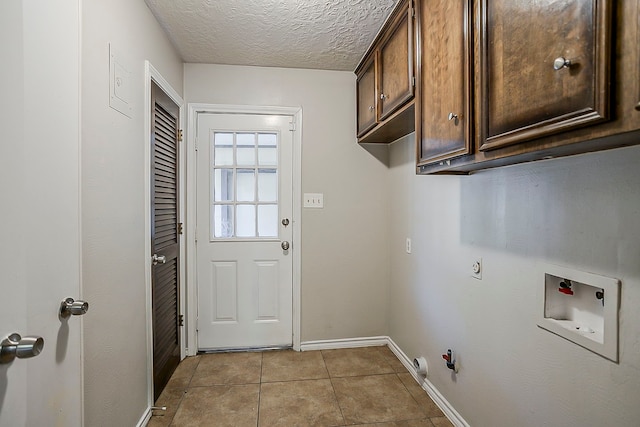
x,y
314,200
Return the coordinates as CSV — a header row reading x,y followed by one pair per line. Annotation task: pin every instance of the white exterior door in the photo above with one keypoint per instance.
x,y
39,218
244,231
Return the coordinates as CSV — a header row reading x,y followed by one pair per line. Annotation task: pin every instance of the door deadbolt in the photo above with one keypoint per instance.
x,y
285,245
285,222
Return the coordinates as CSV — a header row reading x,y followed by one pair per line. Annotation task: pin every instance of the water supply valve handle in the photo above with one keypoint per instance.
x,y
451,363
565,287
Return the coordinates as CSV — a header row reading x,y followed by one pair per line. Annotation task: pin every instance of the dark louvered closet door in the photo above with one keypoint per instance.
x,y
164,237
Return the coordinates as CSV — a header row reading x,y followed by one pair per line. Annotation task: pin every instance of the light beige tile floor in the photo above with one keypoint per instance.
x,y
362,386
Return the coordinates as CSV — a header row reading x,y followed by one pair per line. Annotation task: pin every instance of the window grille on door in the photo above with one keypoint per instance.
x,y
244,190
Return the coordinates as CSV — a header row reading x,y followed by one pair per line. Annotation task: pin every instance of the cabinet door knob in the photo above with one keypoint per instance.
x,y
560,63
453,116
383,96
370,107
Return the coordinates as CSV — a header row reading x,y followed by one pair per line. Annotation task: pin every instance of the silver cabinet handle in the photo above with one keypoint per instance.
x,y
383,96
561,63
69,307
158,259
285,245
16,346
453,116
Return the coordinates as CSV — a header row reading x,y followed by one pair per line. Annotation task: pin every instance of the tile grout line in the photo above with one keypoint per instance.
x,y
260,388
335,395
184,393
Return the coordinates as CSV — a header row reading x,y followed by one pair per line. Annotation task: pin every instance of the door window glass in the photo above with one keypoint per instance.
x,y
244,176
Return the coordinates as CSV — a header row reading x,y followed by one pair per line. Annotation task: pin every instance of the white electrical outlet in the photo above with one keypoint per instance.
x,y
313,200
408,246
476,268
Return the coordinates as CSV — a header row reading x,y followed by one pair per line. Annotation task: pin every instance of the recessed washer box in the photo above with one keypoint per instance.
x,y
581,307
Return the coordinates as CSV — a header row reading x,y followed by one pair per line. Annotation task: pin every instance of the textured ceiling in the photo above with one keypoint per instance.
x,y
320,34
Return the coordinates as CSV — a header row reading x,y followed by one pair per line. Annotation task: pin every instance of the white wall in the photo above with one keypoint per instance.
x,y
344,246
113,217
582,212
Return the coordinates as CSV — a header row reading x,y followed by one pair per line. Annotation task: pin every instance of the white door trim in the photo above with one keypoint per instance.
x,y
190,220
152,74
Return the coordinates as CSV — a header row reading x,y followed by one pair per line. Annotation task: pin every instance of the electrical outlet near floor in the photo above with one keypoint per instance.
x,y
476,268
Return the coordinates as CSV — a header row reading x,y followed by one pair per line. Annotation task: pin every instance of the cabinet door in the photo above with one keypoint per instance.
x,y
443,112
396,65
366,93
544,67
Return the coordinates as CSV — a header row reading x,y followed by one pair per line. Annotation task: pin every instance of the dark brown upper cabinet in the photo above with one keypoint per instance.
x,y
443,109
395,59
366,93
549,79
385,81
544,68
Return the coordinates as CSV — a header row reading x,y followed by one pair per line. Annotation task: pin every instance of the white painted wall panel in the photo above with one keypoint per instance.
x,y
580,212
345,268
113,215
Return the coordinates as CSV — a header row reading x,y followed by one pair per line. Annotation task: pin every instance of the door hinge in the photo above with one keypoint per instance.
x,y
195,145
292,126
413,10
181,320
413,81
179,227
179,135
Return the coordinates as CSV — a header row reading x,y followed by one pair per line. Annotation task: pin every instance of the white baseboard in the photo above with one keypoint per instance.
x,y
343,343
145,418
444,405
